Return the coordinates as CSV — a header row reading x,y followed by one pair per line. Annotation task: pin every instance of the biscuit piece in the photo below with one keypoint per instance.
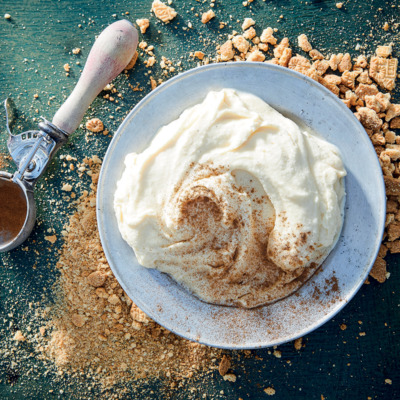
x,y
143,24
383,71
207,16
304,44
163,12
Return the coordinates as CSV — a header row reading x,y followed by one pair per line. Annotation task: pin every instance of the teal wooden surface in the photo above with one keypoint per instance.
x,y
34,46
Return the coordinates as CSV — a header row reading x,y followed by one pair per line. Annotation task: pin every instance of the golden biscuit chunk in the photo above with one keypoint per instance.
x,y
163,12
94,125
207,16
383,71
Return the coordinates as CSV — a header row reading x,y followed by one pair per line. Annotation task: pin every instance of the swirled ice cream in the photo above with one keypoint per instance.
x,y
233,200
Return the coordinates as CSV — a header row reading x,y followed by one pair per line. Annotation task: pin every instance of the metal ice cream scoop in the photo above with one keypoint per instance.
x,y
33,150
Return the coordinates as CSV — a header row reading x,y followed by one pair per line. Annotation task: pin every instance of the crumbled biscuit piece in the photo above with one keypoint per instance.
x,y
321,66
316,55
379,102
368,118
263,46
224,365
345,63
163,12
52,239
250,33
247,23
66,67
278,50
394,154
19,337
132,63
207,16
361,61
392,111
285,57
66,187
94,125
386,163
385,27
114,299
364,78
241,44
269,391
298,343
394,247
230,377
304,44
138,315
384,51
335,60
143,24
96,279
366,90
256,40
299,64
150,62
153,83
199,54
267,36
142,45
339,5
331,86
392,186
351,97
348,78
78,320
383,71
390,136
226,51
333,79
255,55
76,50
378,139
395,124
378,271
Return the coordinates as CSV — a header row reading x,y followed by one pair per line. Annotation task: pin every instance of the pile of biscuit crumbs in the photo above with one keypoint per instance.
x,y
96,327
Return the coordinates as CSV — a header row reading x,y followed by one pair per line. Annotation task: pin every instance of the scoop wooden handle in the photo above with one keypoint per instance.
x,y
110,54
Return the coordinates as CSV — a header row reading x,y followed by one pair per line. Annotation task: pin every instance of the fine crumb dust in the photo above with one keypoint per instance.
x,y
96,327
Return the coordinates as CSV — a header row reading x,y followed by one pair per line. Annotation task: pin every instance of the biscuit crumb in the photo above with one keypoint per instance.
x,y
78,320
383,71
226,51
199,54
378,271
66,187
230,377
298,343
224,365
52,239
269,391
247,23
207,16
94,125
163,12
19,337
267,36
143,24
241,44
304,44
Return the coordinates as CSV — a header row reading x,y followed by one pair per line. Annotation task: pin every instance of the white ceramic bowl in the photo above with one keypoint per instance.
x,y
342,273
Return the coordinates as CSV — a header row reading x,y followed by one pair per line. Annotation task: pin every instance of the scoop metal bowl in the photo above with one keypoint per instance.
x,y
342,273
